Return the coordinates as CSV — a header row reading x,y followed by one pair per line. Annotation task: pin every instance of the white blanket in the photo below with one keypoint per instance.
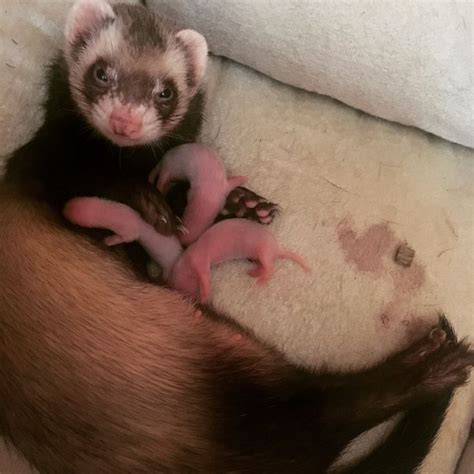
x,y
410,62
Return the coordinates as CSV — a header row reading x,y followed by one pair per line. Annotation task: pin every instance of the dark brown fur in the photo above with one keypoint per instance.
x,y
142,27
100,373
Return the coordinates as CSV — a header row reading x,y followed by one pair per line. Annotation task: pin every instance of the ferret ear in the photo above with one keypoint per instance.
x,y
197,46
86,15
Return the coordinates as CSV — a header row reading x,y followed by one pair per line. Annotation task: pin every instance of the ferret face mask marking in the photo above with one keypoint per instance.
x,y
131,75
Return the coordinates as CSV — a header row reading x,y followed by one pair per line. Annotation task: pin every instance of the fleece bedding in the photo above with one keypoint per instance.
x,y
351,188
407,61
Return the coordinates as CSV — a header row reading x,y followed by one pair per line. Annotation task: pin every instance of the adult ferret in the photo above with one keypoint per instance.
x,y
127,87
102,373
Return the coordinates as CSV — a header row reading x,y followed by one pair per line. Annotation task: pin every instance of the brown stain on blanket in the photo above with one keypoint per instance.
x,y
366,251
372,252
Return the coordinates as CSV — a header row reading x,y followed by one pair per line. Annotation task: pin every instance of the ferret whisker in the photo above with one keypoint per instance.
x,y
158,145
150,147
177,136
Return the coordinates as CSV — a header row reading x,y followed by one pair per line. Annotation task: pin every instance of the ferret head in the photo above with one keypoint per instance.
x,y
131,74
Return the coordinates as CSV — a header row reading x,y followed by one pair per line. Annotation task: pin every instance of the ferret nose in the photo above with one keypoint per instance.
x,y
125,124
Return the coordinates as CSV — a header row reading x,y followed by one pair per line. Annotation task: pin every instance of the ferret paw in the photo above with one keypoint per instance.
x,y
449,367
441,362
241,202
154,210
440,336
255,272
427,346
261,274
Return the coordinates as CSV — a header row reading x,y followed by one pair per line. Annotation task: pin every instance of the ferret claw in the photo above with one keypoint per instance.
x,y
181,228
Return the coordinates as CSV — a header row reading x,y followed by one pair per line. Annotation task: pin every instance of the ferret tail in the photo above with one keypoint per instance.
x,y
404,450
408,445
289,255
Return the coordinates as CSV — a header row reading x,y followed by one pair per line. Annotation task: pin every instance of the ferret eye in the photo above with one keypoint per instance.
x,y
101,75
166,94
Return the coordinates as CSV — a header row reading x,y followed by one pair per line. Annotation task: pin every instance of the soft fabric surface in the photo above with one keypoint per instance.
x,y
351,188
410,62
466,465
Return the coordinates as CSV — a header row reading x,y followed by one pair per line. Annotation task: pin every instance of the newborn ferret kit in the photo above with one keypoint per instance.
x,y
210,244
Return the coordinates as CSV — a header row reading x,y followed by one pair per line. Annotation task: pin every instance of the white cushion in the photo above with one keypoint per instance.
x,y
410,62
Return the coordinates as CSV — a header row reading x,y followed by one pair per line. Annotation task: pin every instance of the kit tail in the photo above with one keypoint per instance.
x,y
289,255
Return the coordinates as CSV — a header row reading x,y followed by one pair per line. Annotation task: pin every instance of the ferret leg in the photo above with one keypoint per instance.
x,y
92,212
266,265
241,202
203,274
116,239
257,271
146,200
204,285
434,365
149,203
236,181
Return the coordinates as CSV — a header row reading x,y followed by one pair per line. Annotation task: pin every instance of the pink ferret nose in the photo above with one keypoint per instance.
x,y
124,123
